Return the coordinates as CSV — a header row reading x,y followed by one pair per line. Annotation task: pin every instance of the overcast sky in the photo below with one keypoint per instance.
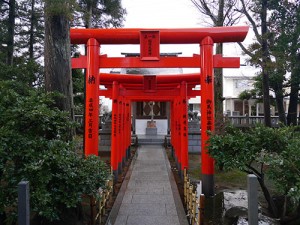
x,y
169,14
163,14
157,14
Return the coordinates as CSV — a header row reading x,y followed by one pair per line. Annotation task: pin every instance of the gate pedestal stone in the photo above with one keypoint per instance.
x,y
151,131
194,137
151,128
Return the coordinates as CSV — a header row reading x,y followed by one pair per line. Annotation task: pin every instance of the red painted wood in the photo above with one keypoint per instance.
x,y
184,126
207,103
167,36
91,124
108,78
114,127
149,45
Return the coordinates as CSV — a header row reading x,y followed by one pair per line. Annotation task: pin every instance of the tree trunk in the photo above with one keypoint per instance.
x,y
11,32
261,180
219,75
88,15
294,94
272,206
280,107
292,111
58,58
31,31
265,74
218,92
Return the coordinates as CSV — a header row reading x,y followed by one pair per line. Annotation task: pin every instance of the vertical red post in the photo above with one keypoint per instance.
x,y
178,136
184,127
119,140
123,131
128,129
91,124
173,130
175,136
207,113
114,130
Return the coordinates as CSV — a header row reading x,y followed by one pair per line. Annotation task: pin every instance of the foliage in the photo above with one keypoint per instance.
x,y
27,72
285,169
247,94
33,148
78,90
259,148
57,8
96,13
29,31
33,132
281,52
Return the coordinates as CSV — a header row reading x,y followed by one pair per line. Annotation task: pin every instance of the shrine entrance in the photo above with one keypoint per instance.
x,y
123,89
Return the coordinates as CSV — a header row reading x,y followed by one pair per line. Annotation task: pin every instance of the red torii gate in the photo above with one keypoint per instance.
x,y
122,92
118,91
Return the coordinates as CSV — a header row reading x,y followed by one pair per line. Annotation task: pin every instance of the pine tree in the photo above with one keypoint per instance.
x,y
7,19
30,29
99,13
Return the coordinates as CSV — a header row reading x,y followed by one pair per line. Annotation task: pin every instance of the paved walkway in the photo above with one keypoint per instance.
x,y
149,194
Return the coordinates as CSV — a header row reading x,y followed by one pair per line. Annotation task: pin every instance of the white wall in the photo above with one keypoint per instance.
x,y
161,124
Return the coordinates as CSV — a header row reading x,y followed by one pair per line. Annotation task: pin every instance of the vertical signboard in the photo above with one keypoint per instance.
x,y
149,83
149,45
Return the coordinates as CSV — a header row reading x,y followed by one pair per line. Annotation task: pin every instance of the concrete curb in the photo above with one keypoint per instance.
x,y
117,204
179,206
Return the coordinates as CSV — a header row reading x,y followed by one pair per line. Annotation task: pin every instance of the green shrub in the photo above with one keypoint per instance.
x,y
33,147
263,151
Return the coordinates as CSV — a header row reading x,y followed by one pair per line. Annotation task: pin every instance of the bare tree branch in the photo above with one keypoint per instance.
x,y
253,23
245,50
202,6
3,1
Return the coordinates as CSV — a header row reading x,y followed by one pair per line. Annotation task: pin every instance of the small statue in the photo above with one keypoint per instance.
x,y
193,116
190,115
107,116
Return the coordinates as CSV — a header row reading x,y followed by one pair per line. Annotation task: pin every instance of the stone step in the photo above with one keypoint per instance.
x,y
151,140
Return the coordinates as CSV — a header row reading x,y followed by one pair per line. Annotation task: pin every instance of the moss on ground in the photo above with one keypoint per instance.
x,y
234,179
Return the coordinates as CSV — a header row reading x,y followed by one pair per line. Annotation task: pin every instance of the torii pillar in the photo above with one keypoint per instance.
x,y
207,113
91,124
115,133
119,131
184,127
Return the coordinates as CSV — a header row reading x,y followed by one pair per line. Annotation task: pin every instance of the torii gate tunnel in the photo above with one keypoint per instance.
x,y
177,89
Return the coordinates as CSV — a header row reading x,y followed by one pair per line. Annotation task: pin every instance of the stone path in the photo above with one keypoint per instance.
x,y
149,194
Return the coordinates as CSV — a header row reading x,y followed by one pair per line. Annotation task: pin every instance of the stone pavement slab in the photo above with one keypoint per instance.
x,y
149,194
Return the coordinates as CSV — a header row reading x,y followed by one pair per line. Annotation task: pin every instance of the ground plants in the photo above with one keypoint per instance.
x,y
34,146
269,153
